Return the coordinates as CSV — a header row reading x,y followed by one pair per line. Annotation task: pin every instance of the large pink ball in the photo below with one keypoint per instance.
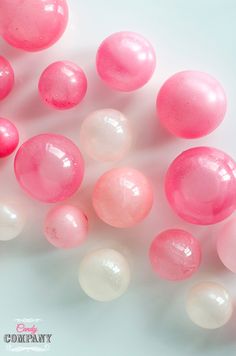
x,y
6,77
122,197
226,244
62,85
9,137
200,185
125,61
175,254
32,25
49,167
66,226
191,104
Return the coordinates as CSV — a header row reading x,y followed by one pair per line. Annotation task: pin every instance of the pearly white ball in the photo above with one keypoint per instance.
x,y
12,221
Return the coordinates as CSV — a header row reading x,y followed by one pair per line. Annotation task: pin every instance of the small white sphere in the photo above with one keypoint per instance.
x,y
106,135
209,305
12,221
104,275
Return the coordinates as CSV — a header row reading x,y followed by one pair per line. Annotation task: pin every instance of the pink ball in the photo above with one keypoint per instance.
x,y
191,104
6,77
226,244
49,167
125,61
32,25
200,185
9,137
122,197
62,85
175,254
66,226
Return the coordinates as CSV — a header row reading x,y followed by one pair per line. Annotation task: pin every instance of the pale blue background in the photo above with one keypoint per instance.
x,y
39,281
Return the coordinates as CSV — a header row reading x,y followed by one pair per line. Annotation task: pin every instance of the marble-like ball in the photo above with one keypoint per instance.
x,y
175,254
6,77
12,220
104,275
9,137
226,244
209,305
106,135
122,197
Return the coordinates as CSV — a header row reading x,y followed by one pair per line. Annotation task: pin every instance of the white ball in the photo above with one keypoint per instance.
x,y
104,275
106,135
209,305
12,221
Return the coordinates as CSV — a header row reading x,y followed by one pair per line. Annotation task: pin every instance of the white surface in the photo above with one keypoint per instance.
x,y
38,281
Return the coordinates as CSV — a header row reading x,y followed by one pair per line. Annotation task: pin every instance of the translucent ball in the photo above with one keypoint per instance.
x,y
33,25
209,305
122,197
104,275
62,85
49,167
106,135
226,244
9,137
12,221
66,226
200,185
175,254
6,77
125,61
191,104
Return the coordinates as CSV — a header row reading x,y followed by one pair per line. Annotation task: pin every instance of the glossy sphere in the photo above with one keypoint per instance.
x,y
122,197
125,61
209,305
104,275
200,185
9,137
49,167
6,77
106,135
12,221
191,104
66,226
175,254
32,25
226,244
62,85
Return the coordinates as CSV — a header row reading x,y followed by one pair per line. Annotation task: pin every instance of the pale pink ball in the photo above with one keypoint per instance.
x,y
33,25
175,254
226,244
9,137
49,167
125,61
62,85
122,197
191,104
200,185
6,77
66,226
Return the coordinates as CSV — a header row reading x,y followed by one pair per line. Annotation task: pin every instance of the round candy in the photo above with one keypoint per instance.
x,y
32,25
226,244
125,61
9,137
49,167
191,104
66,226
104,275
62,85
12,221
6,77
209,305
200,185
106,135
122,197
175,254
